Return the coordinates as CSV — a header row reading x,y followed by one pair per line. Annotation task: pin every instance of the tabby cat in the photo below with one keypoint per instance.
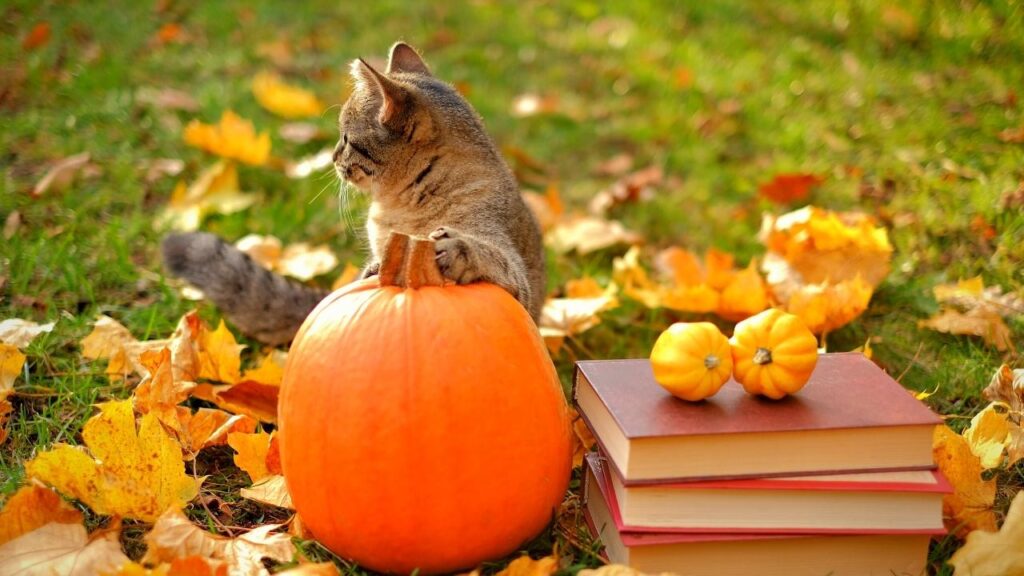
x,y
421,152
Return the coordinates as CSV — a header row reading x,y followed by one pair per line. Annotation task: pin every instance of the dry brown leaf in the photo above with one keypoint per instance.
x,y
251,453
636,187
977,322
167,99
20,333
969,506
786,188
61,174
158,168
66,549
283,99
31,507
1012,135
586,234
128,471
233,137
270,490
1007,386
996,554
174,536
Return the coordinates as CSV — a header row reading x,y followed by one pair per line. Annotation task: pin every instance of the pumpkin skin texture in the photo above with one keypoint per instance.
x,y
773,354
691,360
423,428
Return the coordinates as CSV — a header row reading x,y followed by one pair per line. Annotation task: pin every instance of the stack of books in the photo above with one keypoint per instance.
x,y
836,480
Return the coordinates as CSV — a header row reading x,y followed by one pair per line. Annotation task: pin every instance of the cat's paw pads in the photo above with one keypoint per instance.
x,y
452,256
442,233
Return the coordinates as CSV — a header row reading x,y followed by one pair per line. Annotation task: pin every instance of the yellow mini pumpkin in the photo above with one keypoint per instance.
x,y
691,360
773,353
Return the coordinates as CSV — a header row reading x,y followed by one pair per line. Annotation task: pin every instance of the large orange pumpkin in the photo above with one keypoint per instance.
x,y
422,426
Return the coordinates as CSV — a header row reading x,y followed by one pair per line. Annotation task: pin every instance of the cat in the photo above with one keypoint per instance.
x,y
421,152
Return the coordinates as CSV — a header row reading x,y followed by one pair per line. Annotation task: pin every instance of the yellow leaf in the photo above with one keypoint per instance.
x,y
970,288
32,507
174,536
827,306
632,279
969,507
583,438
318,569
698,298
60,548
11,362
20,333
219,358
270,490
988,436
994,553
526,566
127,472
270,371
234,137
187,566
284,100
215,191
251,453
159,393
108,340
348,275
744,296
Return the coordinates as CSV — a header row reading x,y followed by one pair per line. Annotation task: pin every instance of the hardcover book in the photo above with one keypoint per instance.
x,y
850,417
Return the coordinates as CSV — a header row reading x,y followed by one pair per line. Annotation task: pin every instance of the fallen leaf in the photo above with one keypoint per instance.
x,y
988,436
128,471
566,317
247,397
279,52
636,187
188,566
349,274
1012,135
109,340
11,224
786,188
526,566
270,490
744,296
158,168
720,269
547,208
20,333
216,191
209,427
994,553
615,166
273,459
60,174
219,358
525,105
174,536
616,570
1007,386
300,132
31,507
251,453
696,299
985,324
827,306
586,234
11,363
160,393
632,279
304,262
681,266
60,548
233,137
583,438
309,165
167,99
270,371
283,99
38,36
969,506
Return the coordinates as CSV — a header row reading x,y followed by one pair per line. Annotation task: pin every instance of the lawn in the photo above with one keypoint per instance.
x,y
910,112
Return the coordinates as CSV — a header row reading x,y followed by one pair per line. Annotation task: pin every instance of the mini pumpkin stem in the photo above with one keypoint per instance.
x,y
409,262
763,356
711,361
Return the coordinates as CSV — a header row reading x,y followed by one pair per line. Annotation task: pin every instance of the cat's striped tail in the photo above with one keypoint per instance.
x,y
263,305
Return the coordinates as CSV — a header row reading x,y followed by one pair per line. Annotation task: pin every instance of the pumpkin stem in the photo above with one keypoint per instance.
x,y
763,356
409,262
711,361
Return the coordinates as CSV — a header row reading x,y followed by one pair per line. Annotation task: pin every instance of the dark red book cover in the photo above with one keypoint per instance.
x,y
846,390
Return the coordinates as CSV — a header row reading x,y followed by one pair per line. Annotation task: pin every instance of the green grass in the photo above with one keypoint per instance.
x,y
910,98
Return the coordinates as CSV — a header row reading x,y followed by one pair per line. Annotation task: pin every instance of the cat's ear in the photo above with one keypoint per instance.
x,y
393,98
404,58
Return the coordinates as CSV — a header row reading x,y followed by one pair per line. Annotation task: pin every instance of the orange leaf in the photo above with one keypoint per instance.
x,y
32,507
681,265
160,393
786,188
39,35
969,507
219,355
169,32
273,459
719,268
233,137
745,295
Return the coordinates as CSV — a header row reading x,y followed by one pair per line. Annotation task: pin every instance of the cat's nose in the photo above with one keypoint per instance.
x,y
338,148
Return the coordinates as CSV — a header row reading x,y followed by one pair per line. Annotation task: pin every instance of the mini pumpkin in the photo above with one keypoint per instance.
x,y
422,424
691,360
773,353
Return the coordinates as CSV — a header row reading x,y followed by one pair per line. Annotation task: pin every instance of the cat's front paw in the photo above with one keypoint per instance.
x,y
452,255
